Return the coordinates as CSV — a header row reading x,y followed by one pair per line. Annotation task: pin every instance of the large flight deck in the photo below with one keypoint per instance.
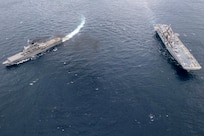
x,y
176,48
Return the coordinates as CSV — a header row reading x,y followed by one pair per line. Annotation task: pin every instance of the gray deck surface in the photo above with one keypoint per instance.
x,y
177,48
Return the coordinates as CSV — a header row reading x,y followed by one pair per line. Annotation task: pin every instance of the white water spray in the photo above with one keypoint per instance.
x,y
76,31
149,13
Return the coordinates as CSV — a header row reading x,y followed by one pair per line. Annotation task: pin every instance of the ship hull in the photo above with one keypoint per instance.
x,y
26,55
177,49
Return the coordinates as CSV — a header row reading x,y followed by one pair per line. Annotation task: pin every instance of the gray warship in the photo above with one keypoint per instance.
x,y
31,50
176,48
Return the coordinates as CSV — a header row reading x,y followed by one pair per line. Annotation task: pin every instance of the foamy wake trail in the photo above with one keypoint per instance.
x,y
76,31
149,13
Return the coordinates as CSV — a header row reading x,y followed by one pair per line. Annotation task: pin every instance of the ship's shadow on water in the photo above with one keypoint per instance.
x,y
182,74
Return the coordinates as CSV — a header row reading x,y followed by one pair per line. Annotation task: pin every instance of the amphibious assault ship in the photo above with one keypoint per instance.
x,y
31,50
176,48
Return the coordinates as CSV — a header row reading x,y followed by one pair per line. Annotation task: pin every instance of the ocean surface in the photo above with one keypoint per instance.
x,y
112,78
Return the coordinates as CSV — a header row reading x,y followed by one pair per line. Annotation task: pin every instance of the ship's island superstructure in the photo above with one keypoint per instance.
x,y
31,50
176,48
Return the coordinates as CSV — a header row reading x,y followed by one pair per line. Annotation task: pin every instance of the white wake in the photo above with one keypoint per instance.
x,y
76,31
149,13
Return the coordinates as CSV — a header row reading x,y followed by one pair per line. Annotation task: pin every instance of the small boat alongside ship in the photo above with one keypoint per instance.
x,y
176,48
32,50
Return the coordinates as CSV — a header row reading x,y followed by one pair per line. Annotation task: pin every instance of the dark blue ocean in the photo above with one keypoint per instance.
x,y
113,78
